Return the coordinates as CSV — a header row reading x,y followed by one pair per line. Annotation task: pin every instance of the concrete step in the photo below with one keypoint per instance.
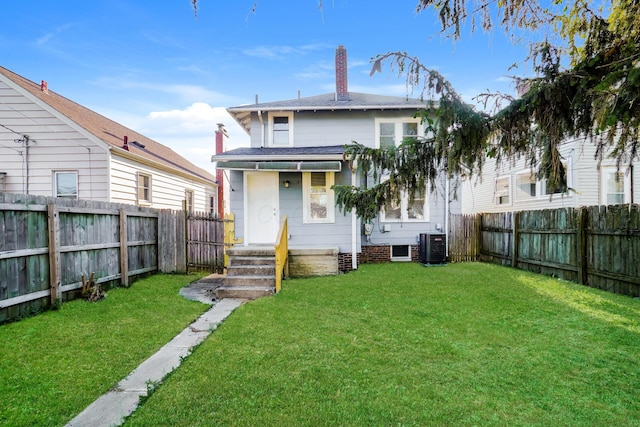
x,y
251,270
251,260
244,292
252,251
267,281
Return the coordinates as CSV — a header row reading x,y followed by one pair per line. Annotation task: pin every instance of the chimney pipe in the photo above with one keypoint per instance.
x,y
126,142
44,86
342,91
220,134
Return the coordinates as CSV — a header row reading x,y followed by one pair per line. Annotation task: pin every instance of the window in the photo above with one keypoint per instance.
x,y
66,184
144,188
545,191
188,198
400,253
281,129
503,191
394,212
318,197
526,186
391,132
212,205
615,186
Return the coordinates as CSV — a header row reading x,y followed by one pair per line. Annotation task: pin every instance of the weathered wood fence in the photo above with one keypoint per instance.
x,y
48,244
598,246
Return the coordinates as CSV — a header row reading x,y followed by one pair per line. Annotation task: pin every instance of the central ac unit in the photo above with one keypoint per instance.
x,y
432,248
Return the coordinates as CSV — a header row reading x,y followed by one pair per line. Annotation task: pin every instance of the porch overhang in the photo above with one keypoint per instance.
x,y
281,166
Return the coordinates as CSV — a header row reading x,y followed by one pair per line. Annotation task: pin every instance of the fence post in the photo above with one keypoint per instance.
x,y
54,253
124,250
478,237
581,250
514,243
186,234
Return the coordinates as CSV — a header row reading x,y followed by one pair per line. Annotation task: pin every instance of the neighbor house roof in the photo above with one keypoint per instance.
x,y
327,102
109,131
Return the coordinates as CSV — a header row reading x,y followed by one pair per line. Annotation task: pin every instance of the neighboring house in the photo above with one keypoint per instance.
x,y
297,154
51,146
512,185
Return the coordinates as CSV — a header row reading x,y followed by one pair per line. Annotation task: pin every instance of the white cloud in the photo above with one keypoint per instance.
x,y
190,132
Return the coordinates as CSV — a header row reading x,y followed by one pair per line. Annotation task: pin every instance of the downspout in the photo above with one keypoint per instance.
x,y
446,216
354,226
262,132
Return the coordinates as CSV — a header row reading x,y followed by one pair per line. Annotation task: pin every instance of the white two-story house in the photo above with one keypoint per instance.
x,y
297,155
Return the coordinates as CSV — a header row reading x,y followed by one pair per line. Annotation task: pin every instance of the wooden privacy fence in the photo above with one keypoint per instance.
x,y
598,246
48,244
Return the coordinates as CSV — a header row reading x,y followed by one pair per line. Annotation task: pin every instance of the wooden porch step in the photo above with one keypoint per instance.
x,y
251,260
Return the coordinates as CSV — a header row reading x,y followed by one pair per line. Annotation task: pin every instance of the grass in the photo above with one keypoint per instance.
x,y
55,364
401,344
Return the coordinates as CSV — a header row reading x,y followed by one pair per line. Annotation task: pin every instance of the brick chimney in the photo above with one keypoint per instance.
x,y
220,134
342,91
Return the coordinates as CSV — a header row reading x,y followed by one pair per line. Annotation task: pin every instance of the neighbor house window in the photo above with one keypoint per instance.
x,y
526,186
144,188
188,197
405,211
545,191
391,132
503,191
281,129
615,186
318,197
66,184
212,205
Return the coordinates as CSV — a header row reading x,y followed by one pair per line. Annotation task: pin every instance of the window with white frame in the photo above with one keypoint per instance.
x,y
526,186
188,197
405,211
144,188
318,197
503,191
391,132
615,186
66,184
281,129
544,189
212,205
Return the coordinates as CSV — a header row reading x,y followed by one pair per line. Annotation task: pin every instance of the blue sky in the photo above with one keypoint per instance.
x,y
154,67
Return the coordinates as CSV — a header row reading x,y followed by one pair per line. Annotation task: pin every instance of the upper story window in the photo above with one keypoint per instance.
x,y
212,205
391,132
144,188
615,186
318,198
503,191
66,184
281,129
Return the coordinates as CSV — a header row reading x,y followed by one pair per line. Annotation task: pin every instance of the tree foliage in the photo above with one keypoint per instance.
x,y
595,98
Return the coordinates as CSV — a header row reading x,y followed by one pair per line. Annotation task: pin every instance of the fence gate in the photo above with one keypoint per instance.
x,y
205,242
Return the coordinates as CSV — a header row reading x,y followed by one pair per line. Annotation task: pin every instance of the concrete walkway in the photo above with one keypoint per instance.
x,y
111,408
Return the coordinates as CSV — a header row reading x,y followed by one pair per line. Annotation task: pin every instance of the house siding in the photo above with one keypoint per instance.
x,y
53,146
583,178
167,190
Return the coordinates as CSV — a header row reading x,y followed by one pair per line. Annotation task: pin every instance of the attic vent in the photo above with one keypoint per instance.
x,y
138,144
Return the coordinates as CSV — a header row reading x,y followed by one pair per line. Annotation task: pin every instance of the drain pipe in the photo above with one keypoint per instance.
x,y
446,217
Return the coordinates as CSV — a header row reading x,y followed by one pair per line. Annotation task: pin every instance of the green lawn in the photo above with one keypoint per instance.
x,y
55,364
401,344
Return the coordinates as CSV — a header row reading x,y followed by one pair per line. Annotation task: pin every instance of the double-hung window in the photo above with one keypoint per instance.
x,y
318,205
144,188
281,129
405,211
503,191
66,184
389,133
188,197
615,186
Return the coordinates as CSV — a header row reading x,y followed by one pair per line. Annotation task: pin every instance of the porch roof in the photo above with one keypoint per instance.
x,y
282,159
